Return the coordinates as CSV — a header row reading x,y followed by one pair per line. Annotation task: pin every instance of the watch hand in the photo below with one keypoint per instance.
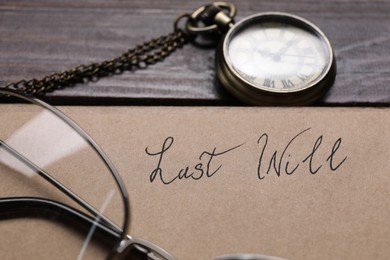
x,y
264,52
285,47
296,55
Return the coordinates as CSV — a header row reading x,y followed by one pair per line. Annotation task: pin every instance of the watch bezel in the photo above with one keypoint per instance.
x,y
258,95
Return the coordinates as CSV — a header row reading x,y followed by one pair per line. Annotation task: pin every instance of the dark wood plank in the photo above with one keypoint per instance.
x,y
43,36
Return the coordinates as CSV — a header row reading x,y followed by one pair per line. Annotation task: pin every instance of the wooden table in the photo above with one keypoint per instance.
x,y
44,36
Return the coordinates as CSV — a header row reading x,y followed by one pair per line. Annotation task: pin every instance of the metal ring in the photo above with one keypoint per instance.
x,y
194,29
178,19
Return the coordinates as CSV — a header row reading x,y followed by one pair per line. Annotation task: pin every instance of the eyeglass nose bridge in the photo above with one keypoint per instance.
x,y
140,249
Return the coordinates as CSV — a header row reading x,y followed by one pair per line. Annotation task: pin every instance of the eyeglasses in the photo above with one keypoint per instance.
x,y
71,182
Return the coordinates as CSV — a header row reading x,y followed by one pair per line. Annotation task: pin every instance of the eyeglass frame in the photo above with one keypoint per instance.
x,y
138,249
103,225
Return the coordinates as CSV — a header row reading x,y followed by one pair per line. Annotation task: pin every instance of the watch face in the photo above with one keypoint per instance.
x,y
278,53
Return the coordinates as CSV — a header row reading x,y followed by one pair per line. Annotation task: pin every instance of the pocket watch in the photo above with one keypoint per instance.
x,y
276,58
272,58
269,58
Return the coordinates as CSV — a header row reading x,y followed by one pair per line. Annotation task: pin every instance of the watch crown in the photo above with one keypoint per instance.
x,y
213,14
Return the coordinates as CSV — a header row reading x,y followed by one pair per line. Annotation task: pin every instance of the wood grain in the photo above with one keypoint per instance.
x,y
44,36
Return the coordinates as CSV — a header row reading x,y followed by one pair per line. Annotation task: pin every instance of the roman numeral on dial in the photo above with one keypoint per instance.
x,y
269,83
287,83
303,77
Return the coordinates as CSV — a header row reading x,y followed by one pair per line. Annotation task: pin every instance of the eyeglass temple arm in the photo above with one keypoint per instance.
x,y
136,248
32,207
59,186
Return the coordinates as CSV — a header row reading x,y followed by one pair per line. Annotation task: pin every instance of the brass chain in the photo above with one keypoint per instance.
x,y
140,57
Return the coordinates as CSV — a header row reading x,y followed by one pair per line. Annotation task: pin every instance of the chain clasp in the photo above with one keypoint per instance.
x,y
209,19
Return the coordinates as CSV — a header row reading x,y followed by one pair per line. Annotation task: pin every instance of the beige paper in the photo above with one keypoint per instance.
x,y
298,183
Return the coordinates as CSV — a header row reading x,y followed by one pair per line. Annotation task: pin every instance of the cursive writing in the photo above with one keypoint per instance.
x,y
282,164
201,169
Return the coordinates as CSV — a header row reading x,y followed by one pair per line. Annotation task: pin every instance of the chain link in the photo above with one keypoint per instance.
x,y
140,57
